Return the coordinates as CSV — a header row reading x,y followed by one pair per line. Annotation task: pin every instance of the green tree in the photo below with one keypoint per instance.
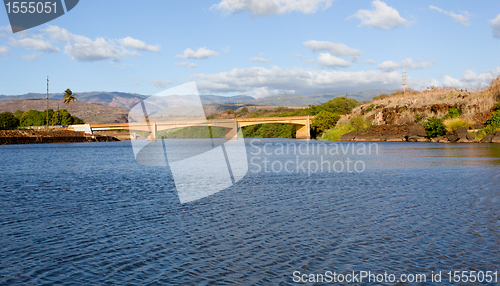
x,y
8,119
63,117
69,96
18,113
32,118
323,121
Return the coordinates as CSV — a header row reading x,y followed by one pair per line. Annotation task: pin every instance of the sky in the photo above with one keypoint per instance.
x,y
255,47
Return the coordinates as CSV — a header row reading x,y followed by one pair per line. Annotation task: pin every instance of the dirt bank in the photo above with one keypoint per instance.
x,y
53,136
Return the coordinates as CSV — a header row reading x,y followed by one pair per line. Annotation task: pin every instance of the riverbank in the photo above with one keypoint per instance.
x,y
8,137
416,133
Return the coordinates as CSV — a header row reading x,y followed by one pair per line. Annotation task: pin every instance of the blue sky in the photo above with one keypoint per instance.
x,y
255,47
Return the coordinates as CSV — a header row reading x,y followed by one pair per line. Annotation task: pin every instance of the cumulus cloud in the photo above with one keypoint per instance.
x,y
139,45
460,18
336,49
4,50
37,43
187,64
382,16
495,27
160,83
327,60
304,81
472,80
406,64
369,62
200,54
270,7
260,59
81,48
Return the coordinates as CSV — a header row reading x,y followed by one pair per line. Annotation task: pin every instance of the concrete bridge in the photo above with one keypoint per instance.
x,y
303,124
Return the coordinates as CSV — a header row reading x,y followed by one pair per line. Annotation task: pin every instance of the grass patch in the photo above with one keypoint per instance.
x,y
452,124
337,132
357,123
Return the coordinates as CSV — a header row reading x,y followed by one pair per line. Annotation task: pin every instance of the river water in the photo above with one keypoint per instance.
x,y
88,213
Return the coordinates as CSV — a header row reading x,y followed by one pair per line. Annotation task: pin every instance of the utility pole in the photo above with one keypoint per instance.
x,y
404,82
47,102
346,104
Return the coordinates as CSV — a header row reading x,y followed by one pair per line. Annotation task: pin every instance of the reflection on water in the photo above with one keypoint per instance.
x,y
90,214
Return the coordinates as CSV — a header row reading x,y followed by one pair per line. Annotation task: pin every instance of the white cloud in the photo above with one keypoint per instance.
x,y
326,59
461,18
406,64
495,27
307,60
4,50
382,16
471,80
337,49
187,64
139,45
304,81
260,59
31,57
225,49
369,62
83,49
160,83
100,49
266,92
37,43
201,53
269,7
4,30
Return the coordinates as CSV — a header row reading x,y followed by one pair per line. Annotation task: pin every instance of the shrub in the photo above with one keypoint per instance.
x,y
456,123
7,119
434,127
323,121
380,97
497,106
359,123
453,113
418,118
494,120
370,108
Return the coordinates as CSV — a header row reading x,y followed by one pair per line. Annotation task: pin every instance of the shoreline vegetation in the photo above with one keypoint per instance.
x,y
29,136
440,115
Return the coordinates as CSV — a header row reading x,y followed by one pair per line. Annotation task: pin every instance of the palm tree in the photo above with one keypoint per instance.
x,y
69,96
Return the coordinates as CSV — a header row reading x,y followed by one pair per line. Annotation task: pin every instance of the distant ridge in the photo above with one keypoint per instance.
x,y
128,100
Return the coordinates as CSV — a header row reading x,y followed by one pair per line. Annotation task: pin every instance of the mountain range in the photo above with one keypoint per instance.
x,y
128,100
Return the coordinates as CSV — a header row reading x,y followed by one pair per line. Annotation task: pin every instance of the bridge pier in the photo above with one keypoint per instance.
x,y
304,131
152,130
232,134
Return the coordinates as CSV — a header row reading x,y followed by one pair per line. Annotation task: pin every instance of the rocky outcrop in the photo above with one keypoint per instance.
x,y
415,133
390,133
491,138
